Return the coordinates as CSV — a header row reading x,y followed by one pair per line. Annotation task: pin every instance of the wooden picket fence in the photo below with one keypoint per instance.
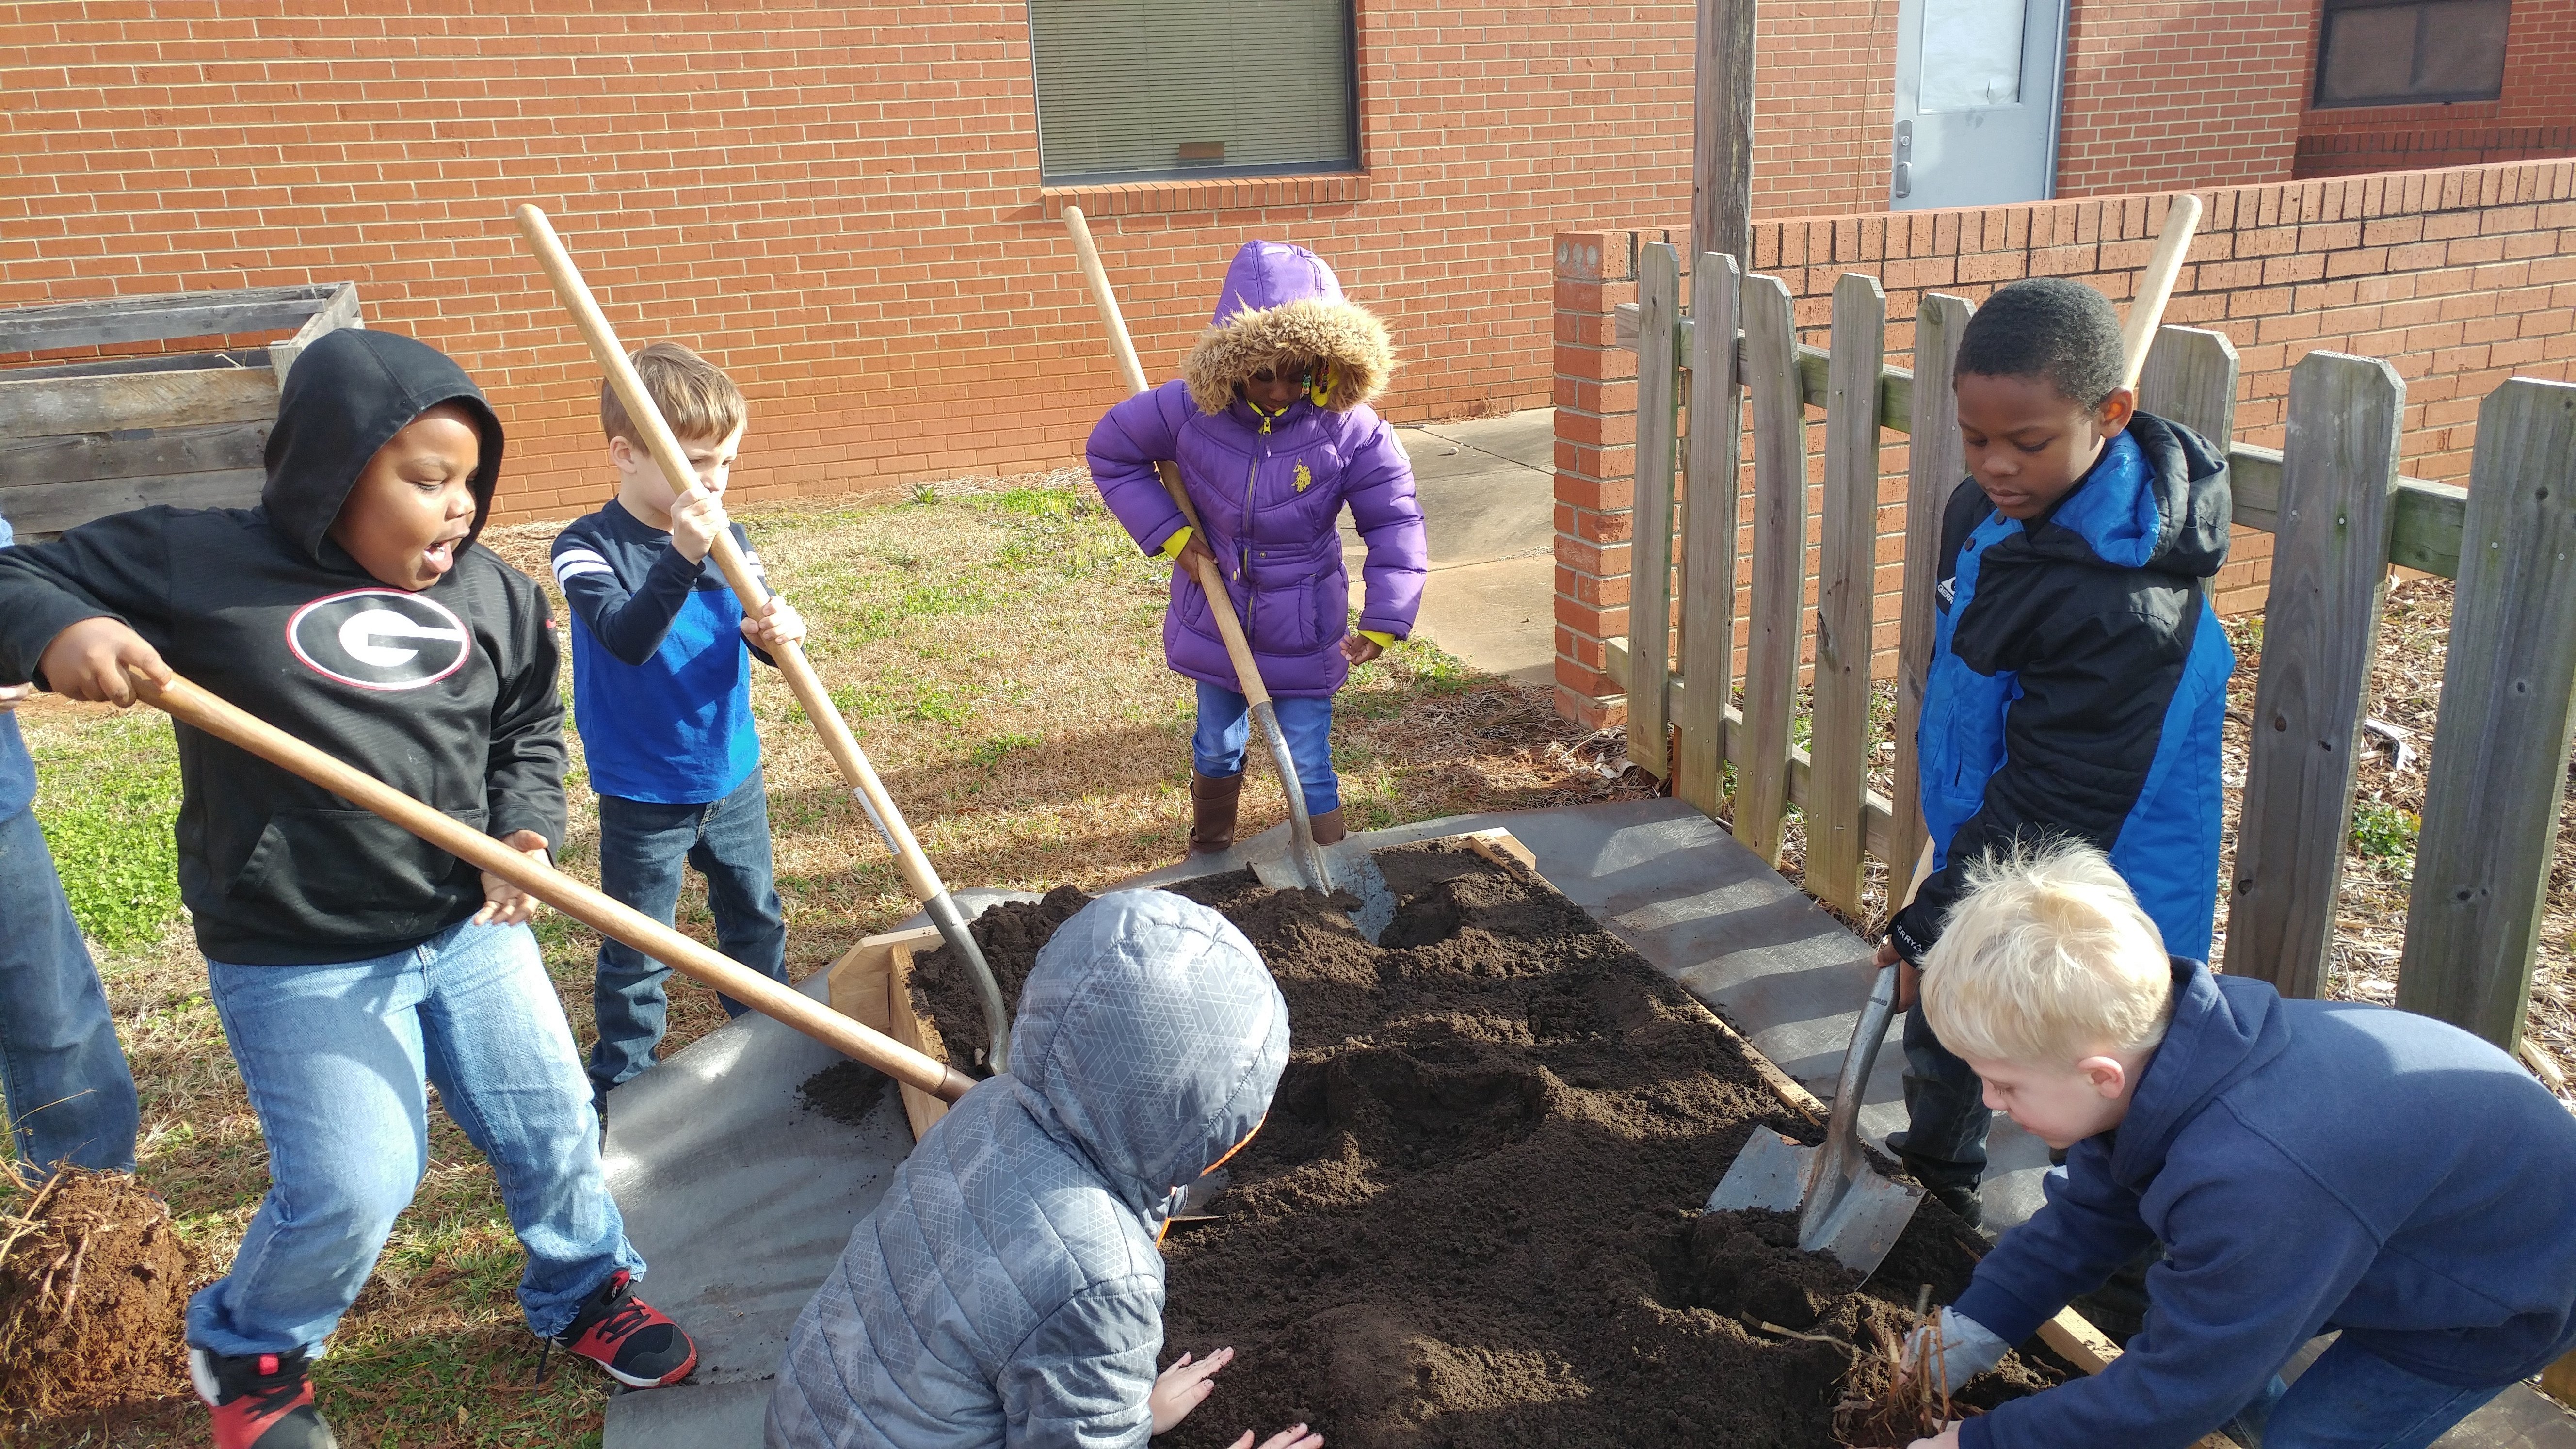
x,y
2339,514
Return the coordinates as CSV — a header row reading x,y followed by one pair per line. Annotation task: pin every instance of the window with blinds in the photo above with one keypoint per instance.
x,y
1132,90
2410,52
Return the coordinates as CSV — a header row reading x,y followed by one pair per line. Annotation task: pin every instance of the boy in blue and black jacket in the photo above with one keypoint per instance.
x,y
2079,677
662,697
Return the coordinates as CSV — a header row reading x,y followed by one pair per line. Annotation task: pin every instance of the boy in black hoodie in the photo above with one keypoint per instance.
x,y
351,962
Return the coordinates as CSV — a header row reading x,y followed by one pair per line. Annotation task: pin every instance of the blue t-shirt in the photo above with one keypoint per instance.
x,y
661,679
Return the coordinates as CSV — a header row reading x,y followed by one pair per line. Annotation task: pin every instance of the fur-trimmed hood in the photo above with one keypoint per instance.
x,y
1282,303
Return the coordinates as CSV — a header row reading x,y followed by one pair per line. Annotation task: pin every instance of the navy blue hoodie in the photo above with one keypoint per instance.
x,y
2308,1165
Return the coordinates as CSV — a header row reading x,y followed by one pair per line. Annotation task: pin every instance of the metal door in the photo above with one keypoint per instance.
x,y
1977,86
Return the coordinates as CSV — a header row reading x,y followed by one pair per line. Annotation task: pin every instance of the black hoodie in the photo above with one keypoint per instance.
x,y
447,694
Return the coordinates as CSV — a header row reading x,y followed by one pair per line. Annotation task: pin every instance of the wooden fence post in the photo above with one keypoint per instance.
x,y
2320,634
1778,402
1710,520
1650,540
2508,700
1935,462
2190,378
1846,581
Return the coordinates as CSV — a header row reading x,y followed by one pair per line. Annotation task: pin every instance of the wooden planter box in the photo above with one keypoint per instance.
x,y
82,440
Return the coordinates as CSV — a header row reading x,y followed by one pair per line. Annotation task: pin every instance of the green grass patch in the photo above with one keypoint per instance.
x,y
2384,832
107,796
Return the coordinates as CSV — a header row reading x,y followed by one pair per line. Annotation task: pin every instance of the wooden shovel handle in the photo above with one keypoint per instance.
x,y
1247,671
843,747
186,701
2155,287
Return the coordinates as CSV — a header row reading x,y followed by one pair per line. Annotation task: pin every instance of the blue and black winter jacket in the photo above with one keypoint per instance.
x,y
2079,680
2308,1166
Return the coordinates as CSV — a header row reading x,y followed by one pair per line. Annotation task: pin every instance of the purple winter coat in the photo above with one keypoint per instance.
x,y
1270,491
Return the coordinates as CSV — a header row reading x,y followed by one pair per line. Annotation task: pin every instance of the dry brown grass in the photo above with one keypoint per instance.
x,y
997,649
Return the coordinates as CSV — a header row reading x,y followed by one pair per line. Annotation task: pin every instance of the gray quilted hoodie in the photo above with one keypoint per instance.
x,y
1007,1290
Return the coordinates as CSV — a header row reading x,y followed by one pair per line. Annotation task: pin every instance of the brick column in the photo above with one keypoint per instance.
x,y
1596,447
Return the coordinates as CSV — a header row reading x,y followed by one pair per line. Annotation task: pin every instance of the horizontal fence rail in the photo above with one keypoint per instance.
x,y
2331,497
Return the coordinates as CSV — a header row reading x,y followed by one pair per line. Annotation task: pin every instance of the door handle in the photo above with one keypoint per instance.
x,y
1903,186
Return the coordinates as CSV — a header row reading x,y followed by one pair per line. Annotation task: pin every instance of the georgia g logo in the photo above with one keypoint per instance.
x,y
379,639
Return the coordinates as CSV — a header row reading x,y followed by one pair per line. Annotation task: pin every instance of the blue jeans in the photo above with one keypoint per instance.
x,y
643,848
70,1097
1946,1117
2353,1399
1225,729
334,1057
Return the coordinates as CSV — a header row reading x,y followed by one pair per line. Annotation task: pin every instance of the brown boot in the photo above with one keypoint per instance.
x,y
1328,827
1212,802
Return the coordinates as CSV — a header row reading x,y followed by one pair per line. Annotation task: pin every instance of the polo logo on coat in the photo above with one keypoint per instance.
x,y
379,639
1305,476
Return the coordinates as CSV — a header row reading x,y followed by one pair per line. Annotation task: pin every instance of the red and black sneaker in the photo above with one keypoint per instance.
x,y
261,1400
639,1346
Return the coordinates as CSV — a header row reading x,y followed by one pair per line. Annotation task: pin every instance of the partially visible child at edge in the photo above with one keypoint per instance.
x,y
662,696
351,963
2078,677
2309,1166
1271,427
1007,1289
63,1079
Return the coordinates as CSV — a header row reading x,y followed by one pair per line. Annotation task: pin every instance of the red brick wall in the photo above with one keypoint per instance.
x,y
2459,278
840,203
2531,119
2168,94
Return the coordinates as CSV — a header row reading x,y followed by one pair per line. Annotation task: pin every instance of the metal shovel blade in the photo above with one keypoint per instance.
x,y
1858,1227
1352,870
1844,1207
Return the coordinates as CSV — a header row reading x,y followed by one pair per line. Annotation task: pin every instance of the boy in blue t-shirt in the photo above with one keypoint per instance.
x,y
662,698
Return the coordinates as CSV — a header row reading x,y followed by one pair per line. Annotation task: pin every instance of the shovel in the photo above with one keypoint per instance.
x,y
1308,857
1844,1207
843,746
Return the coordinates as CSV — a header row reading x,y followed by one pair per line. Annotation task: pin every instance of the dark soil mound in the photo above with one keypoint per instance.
x,y
1472,1217
844,1091
93,1284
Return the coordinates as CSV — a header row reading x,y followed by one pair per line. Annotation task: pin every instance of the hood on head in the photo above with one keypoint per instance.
x,y
1151,1036
2223,1029
346,396
1281,302
2157,498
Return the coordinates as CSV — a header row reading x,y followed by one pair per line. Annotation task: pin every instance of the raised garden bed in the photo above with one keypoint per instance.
x,y
1472,1216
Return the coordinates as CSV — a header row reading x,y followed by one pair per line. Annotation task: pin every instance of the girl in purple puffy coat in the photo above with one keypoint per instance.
x,y
1271,427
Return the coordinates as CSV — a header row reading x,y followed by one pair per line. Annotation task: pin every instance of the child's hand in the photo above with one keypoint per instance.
x,y
1360,648
89,661
776,624
697,516
1296,1437
1909,978
503,903
14,695
1192,555
1184,1386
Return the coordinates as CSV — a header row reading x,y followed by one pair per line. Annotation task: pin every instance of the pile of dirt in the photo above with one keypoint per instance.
x,y
844,1091
1472,1217
93,1285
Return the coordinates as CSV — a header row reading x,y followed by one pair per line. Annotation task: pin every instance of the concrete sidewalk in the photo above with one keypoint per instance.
x,y
1488,491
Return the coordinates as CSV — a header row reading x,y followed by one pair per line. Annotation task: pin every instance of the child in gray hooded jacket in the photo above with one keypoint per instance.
x,y
1008,1289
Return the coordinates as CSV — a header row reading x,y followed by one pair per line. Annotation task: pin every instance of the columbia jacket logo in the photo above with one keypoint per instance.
x,y
384,639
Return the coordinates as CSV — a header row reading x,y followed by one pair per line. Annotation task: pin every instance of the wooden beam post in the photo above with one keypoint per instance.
x,y
1722,131
2320,633
2508,701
